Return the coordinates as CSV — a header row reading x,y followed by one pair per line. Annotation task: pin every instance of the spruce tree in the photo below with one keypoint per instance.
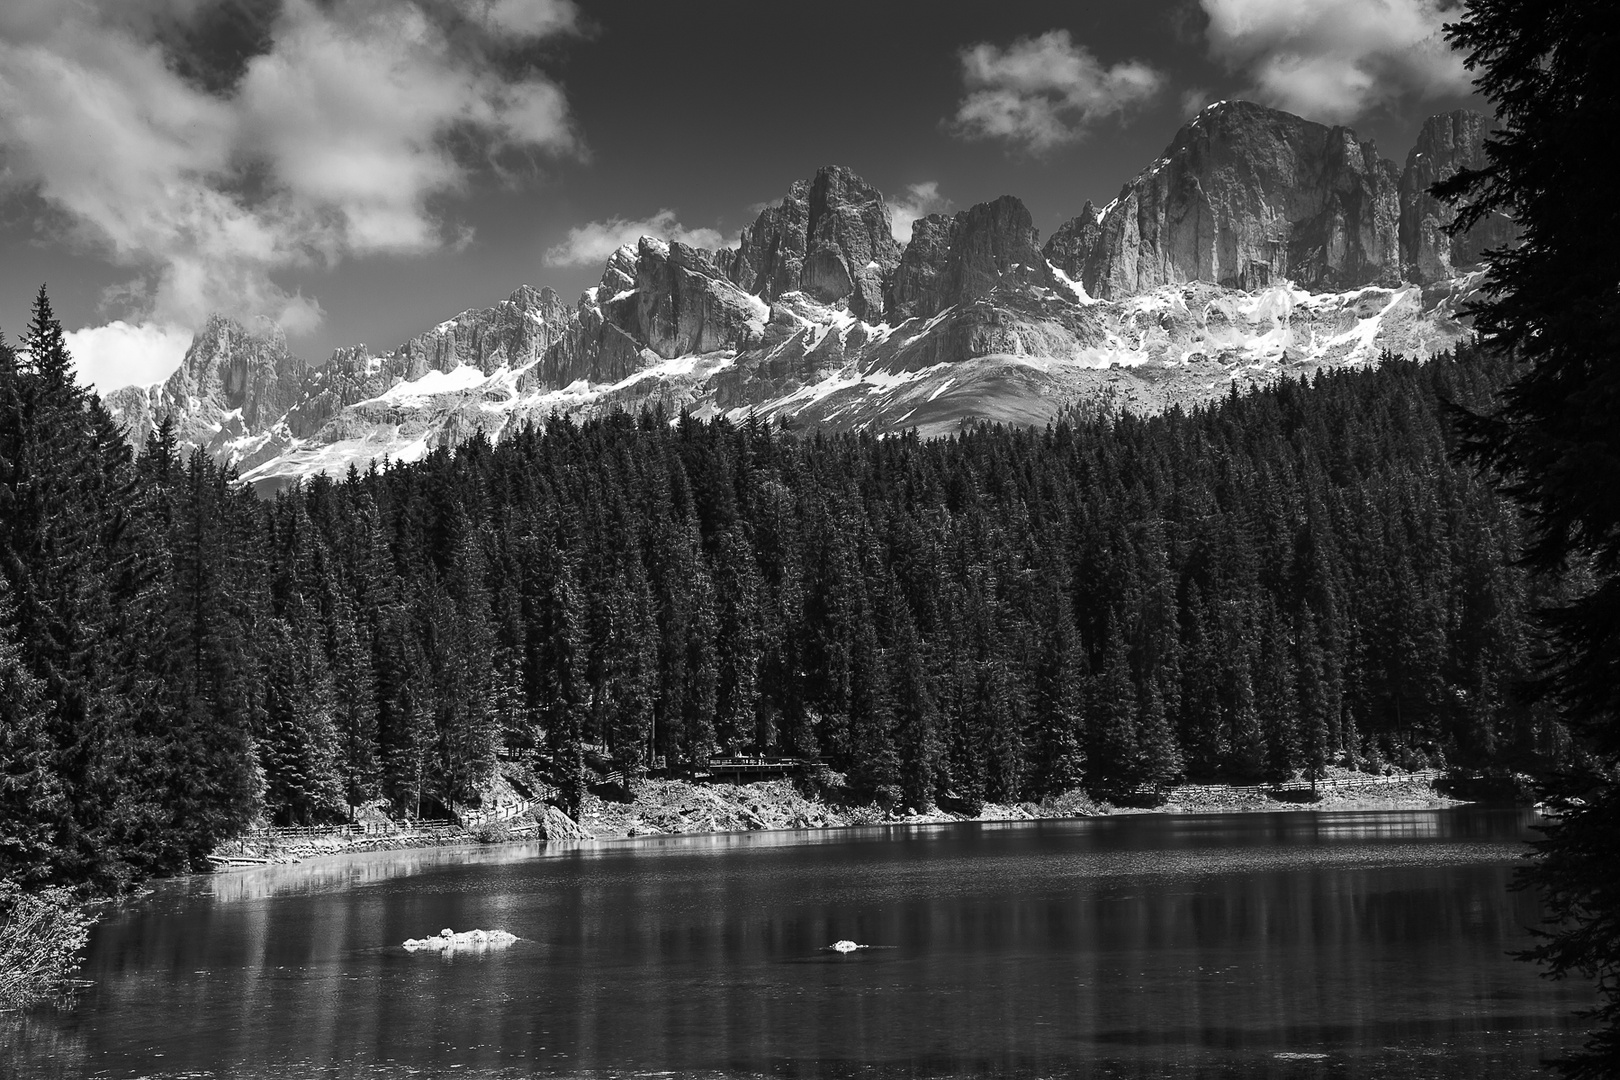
x,y
1550,305
1113,754
32,805
917,726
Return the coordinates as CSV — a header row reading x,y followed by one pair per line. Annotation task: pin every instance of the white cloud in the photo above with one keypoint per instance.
x,y
1334,60
1193,101
335,141
526,18
919,201
1040,93
591,244
121,354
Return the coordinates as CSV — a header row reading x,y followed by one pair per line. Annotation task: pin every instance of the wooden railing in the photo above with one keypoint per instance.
x,y
472,819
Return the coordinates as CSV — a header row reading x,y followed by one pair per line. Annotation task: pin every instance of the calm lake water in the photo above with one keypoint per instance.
x,y
1256,945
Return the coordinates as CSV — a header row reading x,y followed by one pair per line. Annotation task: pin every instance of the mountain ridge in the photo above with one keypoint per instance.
x,y
1258,243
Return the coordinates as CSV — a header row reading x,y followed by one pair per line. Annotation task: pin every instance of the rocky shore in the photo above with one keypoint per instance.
x,y
679,807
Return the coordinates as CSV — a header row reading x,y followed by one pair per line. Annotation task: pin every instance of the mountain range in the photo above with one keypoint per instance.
x,y
1259,243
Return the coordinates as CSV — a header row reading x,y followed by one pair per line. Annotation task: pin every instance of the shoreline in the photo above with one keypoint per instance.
x,y
681,808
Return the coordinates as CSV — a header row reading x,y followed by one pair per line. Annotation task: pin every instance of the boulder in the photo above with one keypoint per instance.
x,y
556,825
448,940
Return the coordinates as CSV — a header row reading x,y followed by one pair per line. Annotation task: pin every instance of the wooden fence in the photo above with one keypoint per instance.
x,y
472,819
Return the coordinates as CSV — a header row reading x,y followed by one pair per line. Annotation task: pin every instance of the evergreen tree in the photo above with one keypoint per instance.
x,y
31,800
1057,708
917,725
1113,754
1313,698
874,765
299,747
1556,439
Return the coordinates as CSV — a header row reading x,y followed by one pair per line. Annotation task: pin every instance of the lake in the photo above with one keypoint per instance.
x,y
1305,945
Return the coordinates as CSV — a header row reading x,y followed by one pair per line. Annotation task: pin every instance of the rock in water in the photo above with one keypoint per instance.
x,y
448,940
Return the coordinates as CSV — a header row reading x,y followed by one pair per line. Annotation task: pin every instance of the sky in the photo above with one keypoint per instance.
x,y
356,171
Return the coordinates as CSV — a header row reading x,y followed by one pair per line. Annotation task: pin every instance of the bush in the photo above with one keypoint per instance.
x,y
41,935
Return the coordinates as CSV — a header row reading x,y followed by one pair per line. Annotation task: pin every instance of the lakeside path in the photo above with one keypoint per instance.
x,y
677,807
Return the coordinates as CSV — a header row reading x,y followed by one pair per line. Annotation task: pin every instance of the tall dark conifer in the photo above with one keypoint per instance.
x,y
1549,68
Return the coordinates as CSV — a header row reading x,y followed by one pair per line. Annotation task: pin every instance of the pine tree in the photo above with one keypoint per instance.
x,y
31,799
874,764
1276,700
1057,706
1113,755
299,748
917,725
1313,697
1555,440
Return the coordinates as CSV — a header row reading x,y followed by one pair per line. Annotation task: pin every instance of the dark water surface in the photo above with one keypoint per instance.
x,y
1273,945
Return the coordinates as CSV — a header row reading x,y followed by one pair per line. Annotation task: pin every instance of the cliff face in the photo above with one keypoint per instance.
x,y
1074,242
951,260
830,238
1246,196
1448,143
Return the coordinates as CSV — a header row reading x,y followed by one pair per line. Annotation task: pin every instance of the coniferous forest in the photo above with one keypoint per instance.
x,y
1296,577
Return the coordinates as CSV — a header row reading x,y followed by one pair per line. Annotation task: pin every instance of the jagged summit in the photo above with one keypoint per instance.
x,y
1246,196
972,254
830,238
1258,242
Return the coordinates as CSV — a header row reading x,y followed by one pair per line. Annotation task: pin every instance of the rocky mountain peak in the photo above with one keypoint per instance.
x,y
1448,143
679,301
971,254
1074,240
1245,196
829,238
230,367
820,317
